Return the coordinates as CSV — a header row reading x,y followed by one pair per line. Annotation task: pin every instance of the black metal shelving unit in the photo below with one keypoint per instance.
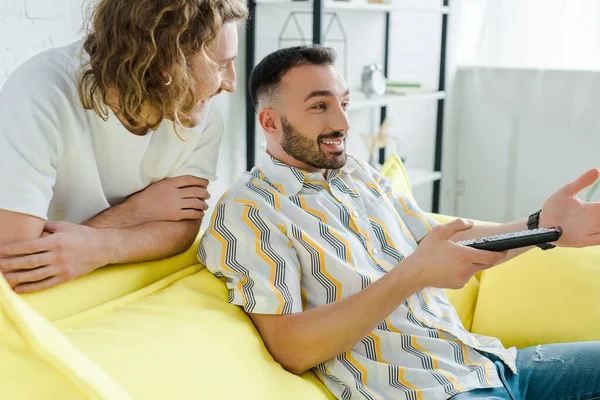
x,y
318,8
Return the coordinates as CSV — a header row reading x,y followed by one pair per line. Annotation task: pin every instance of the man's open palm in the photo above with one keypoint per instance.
x,y
579,220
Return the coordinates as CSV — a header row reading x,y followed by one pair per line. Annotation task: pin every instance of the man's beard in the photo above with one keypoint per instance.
x,y
309,151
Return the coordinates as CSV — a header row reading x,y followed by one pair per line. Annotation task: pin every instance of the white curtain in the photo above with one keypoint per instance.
x,y
541,34
538,59
525,101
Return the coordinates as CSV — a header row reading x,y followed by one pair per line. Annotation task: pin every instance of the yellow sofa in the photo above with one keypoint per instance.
x,y
164,330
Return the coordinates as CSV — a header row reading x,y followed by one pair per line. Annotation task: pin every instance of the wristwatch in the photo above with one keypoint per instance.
x,y
533,223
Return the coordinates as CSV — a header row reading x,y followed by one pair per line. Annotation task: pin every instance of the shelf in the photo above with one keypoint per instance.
x,y
359,101
418,176
357,5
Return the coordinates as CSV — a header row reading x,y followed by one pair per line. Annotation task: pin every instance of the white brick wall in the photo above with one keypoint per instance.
x,y
28,27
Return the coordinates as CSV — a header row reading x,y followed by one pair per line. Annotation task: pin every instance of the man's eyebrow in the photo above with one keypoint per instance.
x,y
327,93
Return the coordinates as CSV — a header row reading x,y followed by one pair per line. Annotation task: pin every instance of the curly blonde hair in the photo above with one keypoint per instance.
x,y
132,44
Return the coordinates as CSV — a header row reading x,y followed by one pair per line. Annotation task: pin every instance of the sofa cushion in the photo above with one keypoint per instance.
x,y
541,297
105,285
189,342
38,362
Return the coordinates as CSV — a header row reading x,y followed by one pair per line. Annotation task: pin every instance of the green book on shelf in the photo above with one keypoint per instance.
x,y
402,84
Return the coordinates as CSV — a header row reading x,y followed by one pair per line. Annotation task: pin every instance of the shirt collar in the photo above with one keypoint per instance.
x,y
290,180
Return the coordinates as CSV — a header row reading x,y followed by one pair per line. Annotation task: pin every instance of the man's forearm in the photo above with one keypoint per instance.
x,y
149,241
301,341
119,216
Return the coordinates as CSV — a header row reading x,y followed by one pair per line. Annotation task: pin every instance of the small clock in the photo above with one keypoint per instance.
x,y
373,80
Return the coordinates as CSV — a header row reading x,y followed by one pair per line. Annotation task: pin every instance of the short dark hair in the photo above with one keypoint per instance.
x,y
266,76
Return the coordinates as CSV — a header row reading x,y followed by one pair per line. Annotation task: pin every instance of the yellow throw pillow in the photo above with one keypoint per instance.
x,y
38,362
393,169
541,297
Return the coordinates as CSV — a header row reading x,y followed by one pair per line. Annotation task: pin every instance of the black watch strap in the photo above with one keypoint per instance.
x,y
533,223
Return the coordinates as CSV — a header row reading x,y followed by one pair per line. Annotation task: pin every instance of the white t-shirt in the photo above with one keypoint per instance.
x,y
59,161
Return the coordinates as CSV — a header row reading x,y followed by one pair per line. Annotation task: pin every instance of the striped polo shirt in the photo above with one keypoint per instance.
x,y
286,241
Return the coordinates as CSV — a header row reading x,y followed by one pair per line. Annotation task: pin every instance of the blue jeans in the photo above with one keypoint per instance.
x,y
565,371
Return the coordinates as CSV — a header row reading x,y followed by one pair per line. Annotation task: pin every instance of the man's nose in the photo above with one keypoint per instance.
x,y
340,122
229,80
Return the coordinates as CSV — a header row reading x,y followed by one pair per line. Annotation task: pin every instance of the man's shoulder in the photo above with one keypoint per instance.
x,y
49,77
254,190
55,65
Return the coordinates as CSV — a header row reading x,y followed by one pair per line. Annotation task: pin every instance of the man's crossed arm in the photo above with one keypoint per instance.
x,y
159,221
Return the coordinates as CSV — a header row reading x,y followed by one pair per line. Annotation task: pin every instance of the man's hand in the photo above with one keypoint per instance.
x,y
445,264
579,220
64,252
172,199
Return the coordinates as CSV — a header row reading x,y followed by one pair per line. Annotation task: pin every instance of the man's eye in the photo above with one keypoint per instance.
x,y
345,105
320,106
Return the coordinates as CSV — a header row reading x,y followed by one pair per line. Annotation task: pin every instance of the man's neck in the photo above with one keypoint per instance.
x,y
290,161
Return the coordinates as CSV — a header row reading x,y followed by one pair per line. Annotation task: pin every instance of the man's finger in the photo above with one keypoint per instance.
x,y
41,285
194,204
188,180
194,192
15,278
192,214
584,181
27,247
446,231
25,262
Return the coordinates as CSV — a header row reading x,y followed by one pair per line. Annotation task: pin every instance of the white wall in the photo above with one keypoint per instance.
x,y
30,26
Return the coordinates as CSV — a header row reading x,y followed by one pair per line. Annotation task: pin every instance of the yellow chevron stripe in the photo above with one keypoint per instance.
x,y
428,304
414,214
246,202
312,211
355,227
277,185
284,231
388,239
413,342
322,268
304,298
402,379
363,371
332,231
391,326
224,247
265,257
487,367
376,187
378,354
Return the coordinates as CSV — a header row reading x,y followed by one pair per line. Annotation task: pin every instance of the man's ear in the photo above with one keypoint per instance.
x,y
269,119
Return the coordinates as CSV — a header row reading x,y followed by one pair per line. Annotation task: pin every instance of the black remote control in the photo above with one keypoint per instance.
x,y
514,240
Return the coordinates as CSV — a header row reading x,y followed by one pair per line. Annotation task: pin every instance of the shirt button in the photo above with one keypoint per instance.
x,y
355,214
375,251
